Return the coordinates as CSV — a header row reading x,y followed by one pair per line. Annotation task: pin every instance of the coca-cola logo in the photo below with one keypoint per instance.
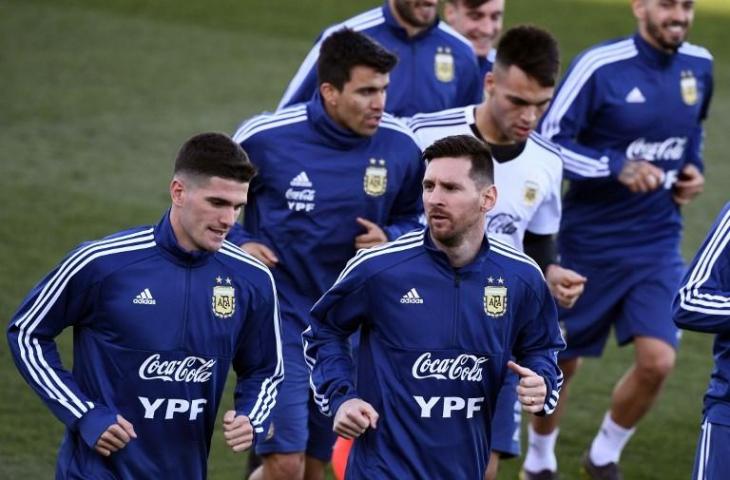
x,y
463,367
188,370
670,149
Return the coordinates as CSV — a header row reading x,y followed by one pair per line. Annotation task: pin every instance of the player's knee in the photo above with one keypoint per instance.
x,y
284,466
657,367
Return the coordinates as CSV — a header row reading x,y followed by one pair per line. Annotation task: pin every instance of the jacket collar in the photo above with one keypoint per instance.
x,y
443,260
335,135
166,240
393,24
652,55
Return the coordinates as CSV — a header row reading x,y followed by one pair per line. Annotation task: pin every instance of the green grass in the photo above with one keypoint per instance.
x,y
97,95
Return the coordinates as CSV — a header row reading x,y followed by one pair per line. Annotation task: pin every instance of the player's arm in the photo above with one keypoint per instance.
x,y
408,206
334,318
62,299
536,346
695,145
471,90
703,301
259,368
569,113
246,236
691,179
565,285
304,84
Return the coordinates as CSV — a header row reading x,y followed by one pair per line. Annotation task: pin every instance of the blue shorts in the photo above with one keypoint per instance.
x,y
712,457
507,419
636,300
298,424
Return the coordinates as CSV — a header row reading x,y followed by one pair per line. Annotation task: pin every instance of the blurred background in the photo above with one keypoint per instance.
x,y
97,95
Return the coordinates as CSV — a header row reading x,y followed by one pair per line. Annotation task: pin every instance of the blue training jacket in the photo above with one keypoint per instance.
x,y
437,69
155,330
703,305
434,346
314,179
622,100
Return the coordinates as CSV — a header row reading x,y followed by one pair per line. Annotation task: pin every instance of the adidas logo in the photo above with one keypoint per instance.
x,y
144,298
301,180
411,297
635,96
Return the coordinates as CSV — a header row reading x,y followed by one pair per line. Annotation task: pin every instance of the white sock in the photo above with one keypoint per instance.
x,y
541,451
609,442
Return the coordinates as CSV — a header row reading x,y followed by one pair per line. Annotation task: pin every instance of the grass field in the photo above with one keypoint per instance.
x,y
96,96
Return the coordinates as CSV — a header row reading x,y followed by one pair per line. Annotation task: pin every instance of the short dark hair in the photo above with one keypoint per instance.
x,y
214,155
469,3
465,146
346,49
531,49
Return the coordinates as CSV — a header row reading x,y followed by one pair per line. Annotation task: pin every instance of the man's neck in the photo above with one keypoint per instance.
x,y
411,30
487,127
466,251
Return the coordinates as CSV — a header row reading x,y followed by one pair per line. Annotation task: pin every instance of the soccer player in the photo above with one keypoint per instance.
x,y
702,304
337,174
158,314
436,67
528,171
481,22
441,311
628,116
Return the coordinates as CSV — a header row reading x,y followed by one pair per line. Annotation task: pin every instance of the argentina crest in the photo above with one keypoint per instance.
x,y
224,298
376,178
495,298
444,64
688,86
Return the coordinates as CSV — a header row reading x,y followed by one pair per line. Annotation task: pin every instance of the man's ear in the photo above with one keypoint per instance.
x,y
488,198
329,94
177,191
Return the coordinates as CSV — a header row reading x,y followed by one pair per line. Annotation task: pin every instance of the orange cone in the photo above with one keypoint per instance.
x,y
339,457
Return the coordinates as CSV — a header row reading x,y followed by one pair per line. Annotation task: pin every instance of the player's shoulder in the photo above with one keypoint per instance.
x,y
394,126
458,42
362,22
695,52
268,122
550,153
604,54
247,267
442,118
112,252
370,261
514,261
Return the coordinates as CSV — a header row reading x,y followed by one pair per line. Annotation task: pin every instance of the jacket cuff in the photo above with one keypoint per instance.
x,y
337,401
94,423
615,162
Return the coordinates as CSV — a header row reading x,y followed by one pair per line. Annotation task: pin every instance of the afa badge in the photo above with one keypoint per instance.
x,y
444,64
529,196
376,178
688,86
224,299
495,298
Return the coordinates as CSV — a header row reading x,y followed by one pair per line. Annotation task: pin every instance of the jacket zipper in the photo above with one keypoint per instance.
x,y
457,297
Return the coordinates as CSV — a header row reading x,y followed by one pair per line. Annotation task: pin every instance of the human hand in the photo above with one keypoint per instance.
x,y
237,431
373,236
115,437
262,252
531,390
565,285
691,183
641,176
354,417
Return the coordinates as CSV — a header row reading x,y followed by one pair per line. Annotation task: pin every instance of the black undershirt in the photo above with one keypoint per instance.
x,y
541,248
